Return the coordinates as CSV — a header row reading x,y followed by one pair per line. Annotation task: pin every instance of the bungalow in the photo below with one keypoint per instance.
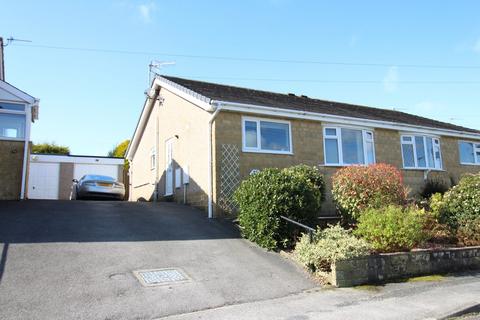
x,y
195,141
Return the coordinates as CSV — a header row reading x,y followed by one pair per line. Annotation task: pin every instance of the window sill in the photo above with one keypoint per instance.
x,y
469,164
267,151
343,165
424,169
12,139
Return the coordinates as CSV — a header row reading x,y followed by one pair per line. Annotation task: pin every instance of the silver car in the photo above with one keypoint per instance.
x,y
97,187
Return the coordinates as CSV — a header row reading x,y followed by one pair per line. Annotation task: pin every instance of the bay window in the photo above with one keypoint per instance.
x,y
269,136
347,146
421,152
469,152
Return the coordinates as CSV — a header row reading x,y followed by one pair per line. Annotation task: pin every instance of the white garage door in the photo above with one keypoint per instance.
x,y
100,169
43,180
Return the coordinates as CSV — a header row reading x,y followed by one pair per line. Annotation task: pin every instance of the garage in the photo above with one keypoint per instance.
x,y
43,180
50,176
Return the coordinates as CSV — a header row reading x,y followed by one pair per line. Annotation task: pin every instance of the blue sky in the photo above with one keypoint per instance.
x,y
91,100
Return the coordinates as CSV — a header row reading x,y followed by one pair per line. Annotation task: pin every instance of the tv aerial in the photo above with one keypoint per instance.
x,y
154,68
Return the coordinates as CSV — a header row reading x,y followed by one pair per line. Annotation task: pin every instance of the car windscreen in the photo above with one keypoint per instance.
x,y
95,177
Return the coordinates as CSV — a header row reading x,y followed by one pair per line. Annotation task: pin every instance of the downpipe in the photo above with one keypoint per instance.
x,y
210,164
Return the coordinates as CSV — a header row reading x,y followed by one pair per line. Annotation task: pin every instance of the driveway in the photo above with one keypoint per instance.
x,y
75,260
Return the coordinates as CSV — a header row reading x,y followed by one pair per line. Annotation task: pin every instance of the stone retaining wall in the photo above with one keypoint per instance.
x,y
391,266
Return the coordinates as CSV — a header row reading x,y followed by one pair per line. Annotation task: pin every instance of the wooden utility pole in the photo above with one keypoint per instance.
x,y
2,61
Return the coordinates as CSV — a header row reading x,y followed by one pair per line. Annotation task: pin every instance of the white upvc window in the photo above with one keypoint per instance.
x,y
12,121
348,146
153,159
469,152
421,152
266,136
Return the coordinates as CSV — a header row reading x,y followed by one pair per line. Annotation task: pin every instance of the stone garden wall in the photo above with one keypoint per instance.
x,y
391,266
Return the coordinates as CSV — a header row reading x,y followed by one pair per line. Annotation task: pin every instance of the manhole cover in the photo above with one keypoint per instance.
x,y
157,277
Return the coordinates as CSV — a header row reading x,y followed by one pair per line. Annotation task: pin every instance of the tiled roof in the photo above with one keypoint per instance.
x,y
302,103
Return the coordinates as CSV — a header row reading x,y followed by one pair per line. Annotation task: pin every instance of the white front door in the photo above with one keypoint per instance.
x,y
43,180
169,167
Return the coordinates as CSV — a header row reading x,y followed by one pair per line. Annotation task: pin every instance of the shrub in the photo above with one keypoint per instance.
x,y
392,228
356,188
50,148
468,231
435,203
433,186
119,150
461,203
295,192
329,245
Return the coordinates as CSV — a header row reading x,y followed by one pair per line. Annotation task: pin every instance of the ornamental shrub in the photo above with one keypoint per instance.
x,y
461,203
392,228
468,231
356,188
295,192
329,245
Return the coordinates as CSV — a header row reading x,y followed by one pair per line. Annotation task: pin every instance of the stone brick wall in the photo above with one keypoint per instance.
x,y
11,165
386,267
307,141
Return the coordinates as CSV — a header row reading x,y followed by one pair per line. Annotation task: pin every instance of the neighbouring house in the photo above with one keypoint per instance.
x,y
195,141
50,176
17,112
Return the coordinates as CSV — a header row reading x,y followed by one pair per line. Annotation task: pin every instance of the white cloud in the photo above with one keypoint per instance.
x,y
390,81
146,10
476,46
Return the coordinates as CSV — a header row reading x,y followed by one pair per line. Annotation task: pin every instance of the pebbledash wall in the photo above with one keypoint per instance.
x,y
11,165
233,165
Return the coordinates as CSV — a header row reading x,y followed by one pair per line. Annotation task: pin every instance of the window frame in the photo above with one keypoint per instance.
x,y
476,149
259,149
338,137
15,112
153,158
435,144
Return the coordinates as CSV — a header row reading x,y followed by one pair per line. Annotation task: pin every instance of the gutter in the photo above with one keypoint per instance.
x,y
327,118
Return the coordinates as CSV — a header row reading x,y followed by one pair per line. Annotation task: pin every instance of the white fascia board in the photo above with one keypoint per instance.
x,y
52,158
295,114
22,96
185,93
142,121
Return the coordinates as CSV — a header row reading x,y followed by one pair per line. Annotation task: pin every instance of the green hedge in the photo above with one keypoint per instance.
x,y
392,228
296,192
459,208
460,202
